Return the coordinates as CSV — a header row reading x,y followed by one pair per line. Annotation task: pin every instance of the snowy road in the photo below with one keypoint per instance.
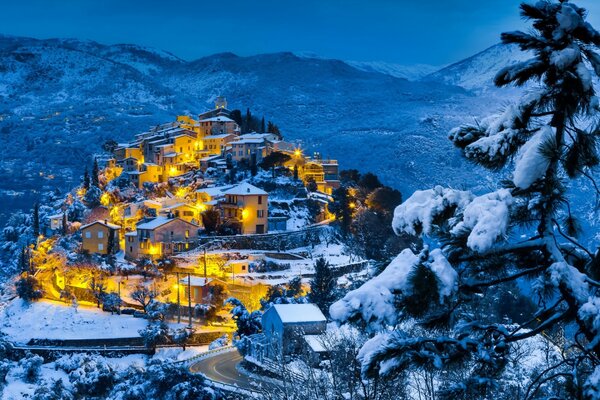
x,y
222,368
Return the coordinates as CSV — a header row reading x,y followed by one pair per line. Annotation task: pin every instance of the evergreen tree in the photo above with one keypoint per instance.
x,y
95,174
341,207
274,129
253,166
210,220
247,121
526,228
275,159
86,179
295,172
262,125
322,286
36,220
28,288
65,224
23,260
236,115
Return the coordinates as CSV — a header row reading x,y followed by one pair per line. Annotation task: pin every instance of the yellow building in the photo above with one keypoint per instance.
x,y
148,172
187,212
247,205
214,144
100,237
160,236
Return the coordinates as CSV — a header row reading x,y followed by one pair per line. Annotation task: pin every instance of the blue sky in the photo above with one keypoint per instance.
x,y
400,31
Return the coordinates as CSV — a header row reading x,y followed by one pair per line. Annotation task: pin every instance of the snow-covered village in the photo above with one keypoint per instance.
x,y
241,218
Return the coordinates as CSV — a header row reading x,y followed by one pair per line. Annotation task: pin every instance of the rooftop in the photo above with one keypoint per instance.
x,y
155,223
105,223
245,189
294,313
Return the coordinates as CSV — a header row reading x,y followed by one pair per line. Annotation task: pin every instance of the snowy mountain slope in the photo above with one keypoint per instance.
x,y
410,72
61,99
477,72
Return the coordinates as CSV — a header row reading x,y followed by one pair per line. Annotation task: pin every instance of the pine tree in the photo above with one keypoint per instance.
x,y
322,286
95,174
36,220
295,172
23,260
262,125
524,229
65,224
248,121
86,179
253,166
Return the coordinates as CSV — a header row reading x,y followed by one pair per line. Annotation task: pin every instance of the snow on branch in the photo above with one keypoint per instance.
x,y
418,213
375,302
531,164
486,217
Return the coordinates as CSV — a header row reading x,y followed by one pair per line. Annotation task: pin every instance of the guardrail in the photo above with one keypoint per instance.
x,y
206,354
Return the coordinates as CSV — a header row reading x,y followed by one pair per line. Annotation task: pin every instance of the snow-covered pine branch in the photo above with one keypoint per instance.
x,y
490,240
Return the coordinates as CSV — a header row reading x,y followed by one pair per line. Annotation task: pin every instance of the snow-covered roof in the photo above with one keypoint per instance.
x,y
245,189
55,216
315,342
107,224
168,155
248,141
154,223
131,234
295,313
218,118
220,136
214,191
196,281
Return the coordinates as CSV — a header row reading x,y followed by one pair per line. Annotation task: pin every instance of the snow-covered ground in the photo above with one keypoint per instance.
x,y
16,388
22,322
334,253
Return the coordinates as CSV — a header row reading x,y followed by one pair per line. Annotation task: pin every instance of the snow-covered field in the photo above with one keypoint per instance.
x,y
51,320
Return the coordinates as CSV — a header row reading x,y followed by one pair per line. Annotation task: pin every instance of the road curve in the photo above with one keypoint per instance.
x,y
222,368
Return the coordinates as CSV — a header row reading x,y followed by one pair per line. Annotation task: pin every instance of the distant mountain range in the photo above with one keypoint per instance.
x,y
61,99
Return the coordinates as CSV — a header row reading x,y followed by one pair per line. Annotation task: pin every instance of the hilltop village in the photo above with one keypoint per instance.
x,y
190,224
211,230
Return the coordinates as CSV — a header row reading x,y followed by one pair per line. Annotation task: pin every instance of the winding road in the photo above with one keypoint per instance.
x,y
222,368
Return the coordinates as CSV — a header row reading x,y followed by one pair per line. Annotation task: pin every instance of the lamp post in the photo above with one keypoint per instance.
x,y
190,301
178,300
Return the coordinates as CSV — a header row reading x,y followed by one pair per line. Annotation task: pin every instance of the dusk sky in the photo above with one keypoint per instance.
x,y
428,31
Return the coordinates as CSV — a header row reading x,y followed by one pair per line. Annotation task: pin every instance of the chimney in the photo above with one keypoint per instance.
x,y
106,222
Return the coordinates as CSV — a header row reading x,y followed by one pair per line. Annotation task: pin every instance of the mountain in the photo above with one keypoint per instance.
x,y
477,72
60,99
410,72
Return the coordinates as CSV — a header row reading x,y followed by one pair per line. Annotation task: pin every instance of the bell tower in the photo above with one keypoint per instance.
x,y
220,103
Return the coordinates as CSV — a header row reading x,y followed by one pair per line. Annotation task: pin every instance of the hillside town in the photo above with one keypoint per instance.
x,y
198,232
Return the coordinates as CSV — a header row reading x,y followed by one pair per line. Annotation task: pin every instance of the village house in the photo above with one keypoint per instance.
x,y
257,144
247,206
100,237
211,196
198,287
160,236
285,328
185,211
54,224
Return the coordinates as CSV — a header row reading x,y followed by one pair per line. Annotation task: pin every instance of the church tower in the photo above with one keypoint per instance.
x,y
220,103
